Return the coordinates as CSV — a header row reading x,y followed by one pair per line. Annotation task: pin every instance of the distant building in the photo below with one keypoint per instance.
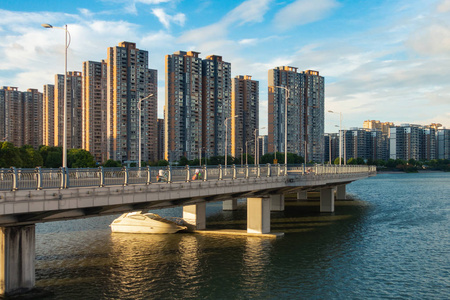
x,y
245,105
263,142
74,111
305,115
331,146
405,142
198,102
377,125
130,80
94,121
21,116
48,115
443,144
160,139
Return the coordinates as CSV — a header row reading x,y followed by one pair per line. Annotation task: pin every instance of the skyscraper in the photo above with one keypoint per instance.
x,y
183,109
48,115
289,78
74,115
129,80
94,109
245,105
305,112
32,118
216,105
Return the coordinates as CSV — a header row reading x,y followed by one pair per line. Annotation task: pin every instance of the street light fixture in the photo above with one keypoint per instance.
x,y
340,134
140,124
67,44
285,123
226,138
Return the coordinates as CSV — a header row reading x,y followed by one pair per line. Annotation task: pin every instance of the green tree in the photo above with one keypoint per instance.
x,y
183,161
30,157
10,156
52,156
80,158
110,163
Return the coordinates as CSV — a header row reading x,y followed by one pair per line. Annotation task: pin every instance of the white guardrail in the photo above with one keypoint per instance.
x,y
14,179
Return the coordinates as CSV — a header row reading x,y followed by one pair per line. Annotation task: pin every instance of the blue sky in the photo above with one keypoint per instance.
x,y
385,60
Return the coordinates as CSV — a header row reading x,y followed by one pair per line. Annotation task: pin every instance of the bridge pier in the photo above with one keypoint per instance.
x,y
277,202
195,215
258,215
327,199
230,204
302,195
17,259
341,192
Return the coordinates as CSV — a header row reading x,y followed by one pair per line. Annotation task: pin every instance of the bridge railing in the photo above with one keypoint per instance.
x,y
28,179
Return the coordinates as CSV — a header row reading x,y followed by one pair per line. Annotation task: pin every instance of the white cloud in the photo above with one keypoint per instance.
x,y
444,6
433,39
302,12
166,19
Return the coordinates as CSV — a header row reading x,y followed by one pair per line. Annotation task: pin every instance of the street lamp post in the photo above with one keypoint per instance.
x,y
226,139
285,122
257,146
340,134
67,44
246,152
140,124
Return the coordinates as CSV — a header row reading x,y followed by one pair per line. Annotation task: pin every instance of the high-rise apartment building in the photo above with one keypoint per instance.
x,y
331,146
405,142
305,112
216,106
21,116
429,142
160,123
183,109
74,110
128,81
48,115
443,144
244,105
32,118
291,80
314,126
94,123
198,101
377,125
12,118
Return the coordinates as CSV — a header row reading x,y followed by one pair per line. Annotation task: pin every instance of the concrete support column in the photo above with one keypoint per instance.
x,y
230,204
195,215
277,202
258,215
341,192
302,195
327,200
17,255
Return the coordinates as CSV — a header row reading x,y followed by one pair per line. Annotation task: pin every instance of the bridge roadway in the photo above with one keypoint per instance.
x,y
34,197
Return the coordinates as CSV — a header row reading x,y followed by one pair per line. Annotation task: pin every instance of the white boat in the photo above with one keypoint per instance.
x,y
137,222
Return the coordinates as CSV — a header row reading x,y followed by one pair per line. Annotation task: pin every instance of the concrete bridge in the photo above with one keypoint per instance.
x,y
30,196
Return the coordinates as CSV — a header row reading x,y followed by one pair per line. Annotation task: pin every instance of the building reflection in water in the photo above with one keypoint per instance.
x,y
256,258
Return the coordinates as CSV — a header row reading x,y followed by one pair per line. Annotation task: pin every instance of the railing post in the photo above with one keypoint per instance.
x,y
220,172
246,171
278,170
317,170
286,170
101,173
258,171
234,172
38,178
269,170
62,177
205,173
169,174
14,178
125,176
149,175
187,173
303,168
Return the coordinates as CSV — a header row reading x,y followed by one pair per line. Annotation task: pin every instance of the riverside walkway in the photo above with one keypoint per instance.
x,y
30,196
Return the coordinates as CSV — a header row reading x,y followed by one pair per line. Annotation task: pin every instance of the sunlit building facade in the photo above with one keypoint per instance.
x,y
244,105
48,115
128,81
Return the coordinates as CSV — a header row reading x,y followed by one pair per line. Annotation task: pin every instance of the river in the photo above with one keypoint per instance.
x,y
391,241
